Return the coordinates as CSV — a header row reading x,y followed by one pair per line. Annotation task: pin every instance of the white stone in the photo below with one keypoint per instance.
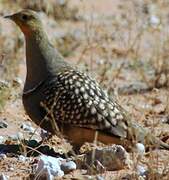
x,y
2,156
49,167
154,20
140,148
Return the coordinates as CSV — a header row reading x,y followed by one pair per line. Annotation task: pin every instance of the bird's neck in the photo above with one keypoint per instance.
x,y
41,59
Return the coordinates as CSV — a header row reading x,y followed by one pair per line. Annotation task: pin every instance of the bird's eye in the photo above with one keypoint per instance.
x,y
25,17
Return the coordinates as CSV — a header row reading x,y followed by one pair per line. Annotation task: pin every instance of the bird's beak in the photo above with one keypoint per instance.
x,y
11,17
8,17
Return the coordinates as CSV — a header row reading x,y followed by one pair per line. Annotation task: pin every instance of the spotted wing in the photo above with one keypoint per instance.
x,y
75,98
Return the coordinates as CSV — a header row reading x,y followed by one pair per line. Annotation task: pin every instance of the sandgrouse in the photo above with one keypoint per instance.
x,y
57,93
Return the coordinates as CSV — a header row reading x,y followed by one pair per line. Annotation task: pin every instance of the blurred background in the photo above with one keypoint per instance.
x,y
124,44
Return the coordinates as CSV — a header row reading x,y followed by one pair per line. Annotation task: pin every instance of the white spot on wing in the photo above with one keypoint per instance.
x,y
85,96
93,110
96,98
119,117
99,117
70,81
91,92
78,84
76,91
79,100
102,106
105,113
82,89
112,114
116,110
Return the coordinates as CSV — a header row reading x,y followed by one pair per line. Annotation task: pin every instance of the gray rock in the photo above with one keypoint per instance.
x,y
49,167
68,166
112,157
142,171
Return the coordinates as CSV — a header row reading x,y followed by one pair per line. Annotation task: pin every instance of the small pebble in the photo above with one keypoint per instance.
x,y
2,156
27,127
154,20
141,170
68,166
140,148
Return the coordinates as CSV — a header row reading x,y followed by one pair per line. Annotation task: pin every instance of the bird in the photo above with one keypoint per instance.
x,y
60,98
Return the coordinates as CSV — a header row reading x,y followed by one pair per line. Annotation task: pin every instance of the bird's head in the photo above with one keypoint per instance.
x,y
28,21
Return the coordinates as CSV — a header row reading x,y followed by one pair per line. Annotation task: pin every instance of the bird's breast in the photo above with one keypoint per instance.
x,y
31,103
